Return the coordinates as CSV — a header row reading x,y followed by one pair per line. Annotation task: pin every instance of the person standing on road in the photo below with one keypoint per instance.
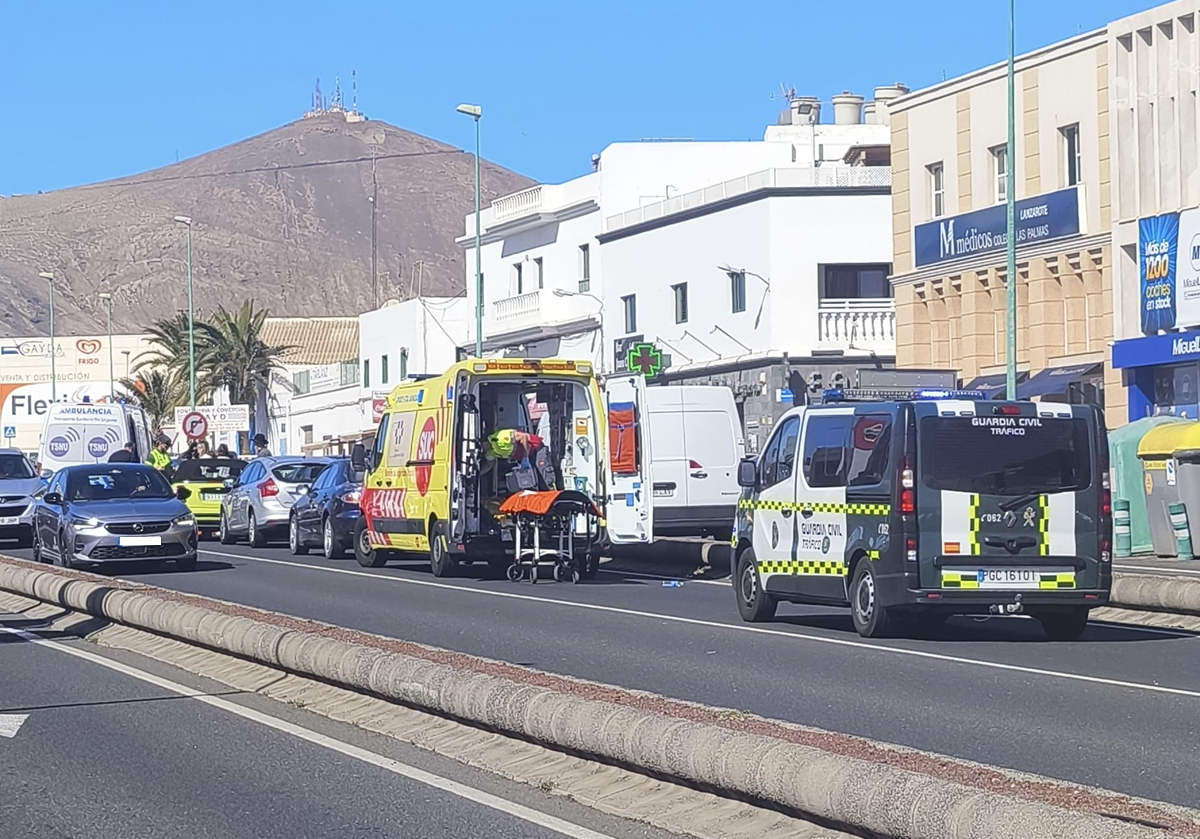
x,y
123,455
159,458
260,446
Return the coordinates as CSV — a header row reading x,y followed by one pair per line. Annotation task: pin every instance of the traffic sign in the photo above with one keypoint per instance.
x,y
194,425
221,418
10,431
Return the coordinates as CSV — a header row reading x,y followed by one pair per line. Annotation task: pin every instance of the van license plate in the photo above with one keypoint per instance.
x,y
9,521
663,493
138,541
1011,577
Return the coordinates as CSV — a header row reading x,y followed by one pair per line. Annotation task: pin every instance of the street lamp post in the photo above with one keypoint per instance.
x,y
1010,199
186,221
475,112
49,278
112,387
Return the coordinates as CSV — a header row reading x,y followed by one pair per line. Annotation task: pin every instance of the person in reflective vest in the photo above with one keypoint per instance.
x,y
528,450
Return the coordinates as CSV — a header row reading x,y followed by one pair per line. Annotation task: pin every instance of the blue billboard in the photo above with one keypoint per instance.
x,y
1037,219
1158,248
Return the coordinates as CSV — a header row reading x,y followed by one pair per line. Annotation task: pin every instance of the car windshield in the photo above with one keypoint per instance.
x,y
298,473
104,484
961,454
15,467
208,470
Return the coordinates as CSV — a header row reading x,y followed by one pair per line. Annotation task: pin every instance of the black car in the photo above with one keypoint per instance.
x,y
325,516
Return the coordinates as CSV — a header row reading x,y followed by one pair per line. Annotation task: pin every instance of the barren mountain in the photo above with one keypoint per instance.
x,y
283,218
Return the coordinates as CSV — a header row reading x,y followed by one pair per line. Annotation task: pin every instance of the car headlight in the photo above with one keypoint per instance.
x,y
186,520
79,521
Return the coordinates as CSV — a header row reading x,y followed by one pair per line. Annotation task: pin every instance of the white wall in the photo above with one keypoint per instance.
x,y
332,413
782,238
431,329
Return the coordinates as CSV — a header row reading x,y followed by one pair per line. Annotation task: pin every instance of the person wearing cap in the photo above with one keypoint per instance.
x,y
260,446
160,458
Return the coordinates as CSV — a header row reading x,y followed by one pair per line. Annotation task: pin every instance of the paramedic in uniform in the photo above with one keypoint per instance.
x,y
519,447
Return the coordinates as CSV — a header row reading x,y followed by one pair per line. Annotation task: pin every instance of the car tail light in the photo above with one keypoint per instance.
x,y
910,548
1010,410
694,465
908,492
353,496
269,489
1105,550
1105,496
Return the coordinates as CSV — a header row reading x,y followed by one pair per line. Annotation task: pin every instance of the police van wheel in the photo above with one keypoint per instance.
x,y
871,620
367,556
1064,626
440,561
754,604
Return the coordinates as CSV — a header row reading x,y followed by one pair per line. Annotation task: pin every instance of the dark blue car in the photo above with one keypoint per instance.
x,y
325,516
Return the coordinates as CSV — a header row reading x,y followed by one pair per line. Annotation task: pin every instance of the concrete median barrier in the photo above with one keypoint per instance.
x,y
1156,593
868,796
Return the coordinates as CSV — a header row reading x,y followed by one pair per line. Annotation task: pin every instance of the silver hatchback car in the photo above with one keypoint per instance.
x,y
19,488
112,512
258,504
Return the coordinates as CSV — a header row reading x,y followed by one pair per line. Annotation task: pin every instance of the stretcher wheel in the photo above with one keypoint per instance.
x,y
575,575
560,574
514,572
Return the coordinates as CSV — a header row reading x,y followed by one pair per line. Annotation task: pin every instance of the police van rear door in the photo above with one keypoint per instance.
x,y
1008,496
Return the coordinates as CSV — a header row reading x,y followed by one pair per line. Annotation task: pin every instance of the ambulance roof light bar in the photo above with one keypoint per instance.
x,y
898,395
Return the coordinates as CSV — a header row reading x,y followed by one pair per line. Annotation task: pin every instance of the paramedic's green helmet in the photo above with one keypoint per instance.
x,y
501,443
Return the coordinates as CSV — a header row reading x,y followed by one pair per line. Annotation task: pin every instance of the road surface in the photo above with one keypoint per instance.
x,y
89,751
1113,710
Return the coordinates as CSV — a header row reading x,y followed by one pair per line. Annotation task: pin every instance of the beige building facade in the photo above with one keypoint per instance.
x,y
949,182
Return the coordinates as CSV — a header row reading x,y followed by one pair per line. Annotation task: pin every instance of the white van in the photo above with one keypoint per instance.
x,y
88,432
697,445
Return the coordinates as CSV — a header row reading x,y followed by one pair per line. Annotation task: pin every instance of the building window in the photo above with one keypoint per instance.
x,y
1000,167
541,280
383,370
937,189
855,282
366,380
681,309
519,278
300,385
630,305
349,373
404,364
585,268
1072,159
307,434
737,291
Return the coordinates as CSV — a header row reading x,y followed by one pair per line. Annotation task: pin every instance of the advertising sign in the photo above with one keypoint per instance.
x,y
222,419
1187,270
1158,245
1038,219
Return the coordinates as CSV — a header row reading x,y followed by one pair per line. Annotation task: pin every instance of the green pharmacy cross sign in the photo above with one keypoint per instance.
x,y
645,359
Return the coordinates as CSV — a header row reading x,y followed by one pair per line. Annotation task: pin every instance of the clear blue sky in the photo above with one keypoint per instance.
x,y
101,90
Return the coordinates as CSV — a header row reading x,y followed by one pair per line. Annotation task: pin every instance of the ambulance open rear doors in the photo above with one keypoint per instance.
x,y
629,499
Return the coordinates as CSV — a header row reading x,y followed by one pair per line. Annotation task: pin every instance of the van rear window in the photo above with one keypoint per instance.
x,y
964,454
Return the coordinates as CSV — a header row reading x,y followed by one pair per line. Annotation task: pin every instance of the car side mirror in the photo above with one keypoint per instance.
x,y
52,498
302,490
748,473
358,458
183,493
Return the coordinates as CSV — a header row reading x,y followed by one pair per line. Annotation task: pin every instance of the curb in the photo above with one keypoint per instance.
x,y
1156,593
871,797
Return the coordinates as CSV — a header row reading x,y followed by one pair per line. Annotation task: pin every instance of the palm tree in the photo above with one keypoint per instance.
x,y
158,391
169,351
237,358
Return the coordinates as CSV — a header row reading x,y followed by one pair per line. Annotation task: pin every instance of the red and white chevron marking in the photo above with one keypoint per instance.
x,y
384,503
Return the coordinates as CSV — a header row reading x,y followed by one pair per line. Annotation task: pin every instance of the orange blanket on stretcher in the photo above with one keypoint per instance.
x,y
539,503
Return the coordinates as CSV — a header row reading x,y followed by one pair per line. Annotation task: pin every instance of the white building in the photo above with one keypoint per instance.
x,y
325,408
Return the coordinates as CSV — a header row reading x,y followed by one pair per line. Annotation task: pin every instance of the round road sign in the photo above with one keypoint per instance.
x,y
195,425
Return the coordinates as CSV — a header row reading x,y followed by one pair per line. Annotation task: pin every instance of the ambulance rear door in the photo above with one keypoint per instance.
x,y
630,501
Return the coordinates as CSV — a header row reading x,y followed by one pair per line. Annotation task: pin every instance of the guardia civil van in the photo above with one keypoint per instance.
x,y
913,506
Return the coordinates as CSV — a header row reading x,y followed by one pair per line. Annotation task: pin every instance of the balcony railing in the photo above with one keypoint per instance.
x,y
828,177
863,324
518,204
538,308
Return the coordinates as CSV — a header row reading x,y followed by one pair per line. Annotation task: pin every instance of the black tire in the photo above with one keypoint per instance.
x,y
186,563
590,566
1064,626
295,540
330,546
754,604
440,561
366,556
254,533
871,620
63,558
224,534
38,556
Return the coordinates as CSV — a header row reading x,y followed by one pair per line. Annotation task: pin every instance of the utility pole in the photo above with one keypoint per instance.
x,y
374,249
475,112
1010,188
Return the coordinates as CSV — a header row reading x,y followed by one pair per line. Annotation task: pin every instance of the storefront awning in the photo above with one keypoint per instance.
x,y
993,386
1055,380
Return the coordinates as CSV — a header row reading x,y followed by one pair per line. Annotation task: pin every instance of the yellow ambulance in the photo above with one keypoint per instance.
x,y
428,491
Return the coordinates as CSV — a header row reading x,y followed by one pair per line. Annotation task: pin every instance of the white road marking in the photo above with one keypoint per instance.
x,y
429,779
10,724
757,630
